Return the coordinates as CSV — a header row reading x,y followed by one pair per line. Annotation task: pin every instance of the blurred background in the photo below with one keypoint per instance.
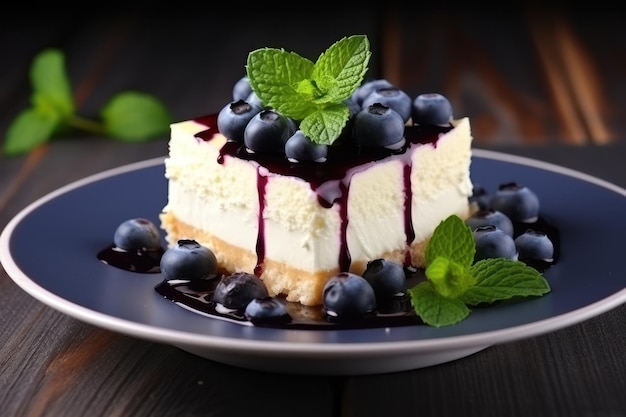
x,y
526,75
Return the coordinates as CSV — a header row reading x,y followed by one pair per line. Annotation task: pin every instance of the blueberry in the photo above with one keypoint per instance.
x,y
392,97
490,217
480,198
386,277
431,109
534,245
242,89
253,98
378,125
347,295
234,117
300,148
137,234
367,87
189,260
267,310
268,132
236,290
492,242
517,201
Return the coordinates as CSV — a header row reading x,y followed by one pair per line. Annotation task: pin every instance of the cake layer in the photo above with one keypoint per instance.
x,y
295,231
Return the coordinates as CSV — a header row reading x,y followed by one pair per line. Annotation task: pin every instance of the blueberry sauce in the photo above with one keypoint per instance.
x,y
143,261
331,179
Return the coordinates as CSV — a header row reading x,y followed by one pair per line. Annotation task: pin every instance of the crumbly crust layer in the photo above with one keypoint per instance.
x,y
295,284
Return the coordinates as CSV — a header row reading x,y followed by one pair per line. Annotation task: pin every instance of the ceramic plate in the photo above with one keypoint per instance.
x,y
49,249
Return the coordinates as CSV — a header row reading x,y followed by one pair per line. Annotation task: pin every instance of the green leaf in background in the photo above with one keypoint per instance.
x,y
50,83
135,117
130,116
28,130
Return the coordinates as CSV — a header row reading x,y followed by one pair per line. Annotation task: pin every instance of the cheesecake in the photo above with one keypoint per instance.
x,y
297,223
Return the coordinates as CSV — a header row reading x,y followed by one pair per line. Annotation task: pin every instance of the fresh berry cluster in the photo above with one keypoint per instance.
x,y
379,112
493,224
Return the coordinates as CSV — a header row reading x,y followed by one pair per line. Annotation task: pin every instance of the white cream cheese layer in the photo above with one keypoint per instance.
x,y
223,199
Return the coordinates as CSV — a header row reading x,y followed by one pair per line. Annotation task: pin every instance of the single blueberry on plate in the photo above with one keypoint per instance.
x,y
480,198
189,260
236,290
348,295
517,201
492,242
386,277
267,310
490,217
534,245
137,234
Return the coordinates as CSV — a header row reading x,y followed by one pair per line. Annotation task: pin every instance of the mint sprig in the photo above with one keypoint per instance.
x,y
454,283
314,94
129,116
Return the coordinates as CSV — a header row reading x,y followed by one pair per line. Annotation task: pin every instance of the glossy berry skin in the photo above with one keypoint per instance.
x,y
517,201
267,310
235,291
367,87
300,148
492,242
431,109
534,245
189,260
234,117
480,197
137,234
268,132
378,125
348,295
490,217
242,89
386,277
392,97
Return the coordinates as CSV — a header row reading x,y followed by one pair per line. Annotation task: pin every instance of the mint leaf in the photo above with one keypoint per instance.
x,y
313,94
452,239
283,80
31,128
134,117
449,278
434,309
500,279
340,70
326,125
50,83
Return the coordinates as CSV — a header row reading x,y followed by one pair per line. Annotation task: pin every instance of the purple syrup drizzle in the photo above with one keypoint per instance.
x,y
329,180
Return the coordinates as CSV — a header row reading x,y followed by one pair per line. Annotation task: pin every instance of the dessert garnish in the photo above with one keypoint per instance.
x,y
129,116
315,94
455,282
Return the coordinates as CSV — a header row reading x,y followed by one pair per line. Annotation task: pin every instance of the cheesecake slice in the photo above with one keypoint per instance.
x,y
296,224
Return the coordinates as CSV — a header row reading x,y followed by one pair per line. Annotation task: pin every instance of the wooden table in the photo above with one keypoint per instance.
x,y
547,84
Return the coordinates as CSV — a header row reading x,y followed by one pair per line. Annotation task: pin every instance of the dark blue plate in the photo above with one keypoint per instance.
x,y
49,249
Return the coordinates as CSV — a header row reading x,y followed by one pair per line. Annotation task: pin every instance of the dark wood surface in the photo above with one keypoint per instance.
x,y
539,82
